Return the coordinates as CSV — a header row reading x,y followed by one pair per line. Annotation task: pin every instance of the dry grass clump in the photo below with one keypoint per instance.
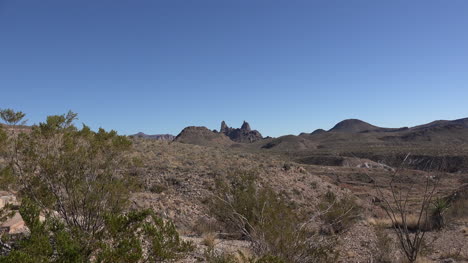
x,y
209,239
411,222
458,209
157,188
338,214
205,225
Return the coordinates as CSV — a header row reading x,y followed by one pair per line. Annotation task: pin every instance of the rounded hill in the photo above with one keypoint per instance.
x,y
353,126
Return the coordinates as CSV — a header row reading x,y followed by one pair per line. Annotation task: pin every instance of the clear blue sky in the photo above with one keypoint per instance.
x,y
285,66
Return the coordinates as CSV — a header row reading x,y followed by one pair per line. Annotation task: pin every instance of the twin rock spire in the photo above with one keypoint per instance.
x,y
244,134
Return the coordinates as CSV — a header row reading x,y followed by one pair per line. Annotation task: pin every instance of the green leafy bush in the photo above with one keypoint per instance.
x,y
132,237
74,178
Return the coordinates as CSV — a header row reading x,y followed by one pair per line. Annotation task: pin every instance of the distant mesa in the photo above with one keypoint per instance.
x,y
244,135
159,137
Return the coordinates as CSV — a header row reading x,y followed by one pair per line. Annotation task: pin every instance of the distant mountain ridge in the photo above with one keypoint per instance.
x,y
348,131
442,143
358,126
354,134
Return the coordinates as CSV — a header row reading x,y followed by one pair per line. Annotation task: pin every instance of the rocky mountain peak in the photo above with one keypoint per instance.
x,y
224,127
245,126
244,134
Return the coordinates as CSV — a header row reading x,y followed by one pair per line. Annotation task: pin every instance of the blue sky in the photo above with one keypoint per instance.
x,y
285,66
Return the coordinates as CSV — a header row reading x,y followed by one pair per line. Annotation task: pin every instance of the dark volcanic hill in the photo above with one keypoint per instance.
x,y
356,126
159,137
202,136
353,125
244,134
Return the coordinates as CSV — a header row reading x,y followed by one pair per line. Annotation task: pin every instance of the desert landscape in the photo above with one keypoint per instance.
x,y
323,193
242,131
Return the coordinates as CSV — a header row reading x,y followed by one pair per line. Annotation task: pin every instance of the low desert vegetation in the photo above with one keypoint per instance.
x,y
263,217
72,179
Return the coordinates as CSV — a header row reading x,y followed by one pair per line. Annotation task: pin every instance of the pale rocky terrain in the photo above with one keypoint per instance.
x,y
184,178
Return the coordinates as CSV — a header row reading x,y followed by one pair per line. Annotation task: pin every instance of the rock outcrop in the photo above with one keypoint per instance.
x,y
224,127
7,198
245,134
13,225
246,126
